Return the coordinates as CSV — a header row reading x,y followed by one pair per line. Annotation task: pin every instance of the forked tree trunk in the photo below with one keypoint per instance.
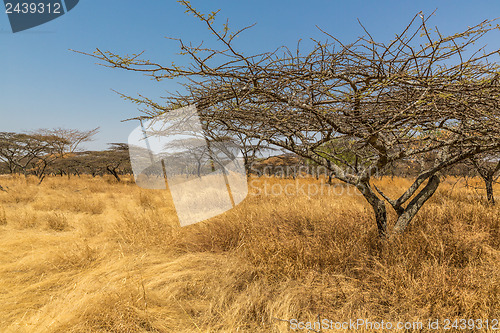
x,y
487,174
378,207
406,215
113,172
41,178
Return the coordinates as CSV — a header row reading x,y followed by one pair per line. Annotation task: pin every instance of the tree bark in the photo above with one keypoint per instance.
x,y
378,207
114,173
414,206
488,181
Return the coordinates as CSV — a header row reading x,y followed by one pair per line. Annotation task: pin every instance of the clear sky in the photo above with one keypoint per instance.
x,y
44,85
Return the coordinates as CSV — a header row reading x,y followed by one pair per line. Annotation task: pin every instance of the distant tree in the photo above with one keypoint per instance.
x,y
115,160
44,150
248,147
71,138
487,167
68,142
187,156
11,150
28,153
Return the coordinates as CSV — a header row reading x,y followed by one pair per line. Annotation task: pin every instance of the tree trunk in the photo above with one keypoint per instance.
x,y
378,207
329,164
198,170
414,206
41,178
114,173
488,181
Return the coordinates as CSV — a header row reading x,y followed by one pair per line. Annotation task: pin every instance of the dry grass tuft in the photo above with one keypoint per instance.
x,y
3,217
57,222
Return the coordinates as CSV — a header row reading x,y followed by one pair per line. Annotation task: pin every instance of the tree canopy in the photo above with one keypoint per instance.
x,y
423,93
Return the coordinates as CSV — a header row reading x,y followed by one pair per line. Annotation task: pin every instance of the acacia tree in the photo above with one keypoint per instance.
x,y
250,148
114,160
72,138
420,93
44,150
488,168
29,152
11,149
189,156
65,143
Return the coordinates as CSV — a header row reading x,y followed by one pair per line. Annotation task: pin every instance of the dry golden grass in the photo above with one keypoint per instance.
x,y
93,255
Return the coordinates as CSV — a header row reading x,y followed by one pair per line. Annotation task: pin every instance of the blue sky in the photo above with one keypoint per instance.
x,y
44,85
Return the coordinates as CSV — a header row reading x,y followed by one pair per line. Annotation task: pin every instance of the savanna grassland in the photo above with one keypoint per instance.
x,y
94,255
